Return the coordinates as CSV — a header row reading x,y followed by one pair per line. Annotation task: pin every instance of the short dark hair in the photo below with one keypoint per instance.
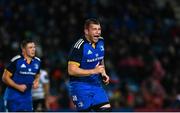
x,y
91,21
25,42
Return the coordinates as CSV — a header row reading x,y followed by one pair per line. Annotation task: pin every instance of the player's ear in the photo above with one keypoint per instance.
x,y
23,49
86,31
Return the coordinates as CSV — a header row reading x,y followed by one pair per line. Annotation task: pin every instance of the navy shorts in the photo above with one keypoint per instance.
x,y
18,106
85,96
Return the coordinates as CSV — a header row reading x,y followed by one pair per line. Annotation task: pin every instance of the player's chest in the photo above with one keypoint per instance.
x,y
92,54
24,68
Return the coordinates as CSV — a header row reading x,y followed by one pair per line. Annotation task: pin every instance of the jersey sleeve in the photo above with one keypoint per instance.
x,y
76,54
39,62
11,67
38,72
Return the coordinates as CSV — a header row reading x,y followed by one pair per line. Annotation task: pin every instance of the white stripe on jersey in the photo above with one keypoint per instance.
x,y
15,58
101,37
75,46
77,43
80,44
37,58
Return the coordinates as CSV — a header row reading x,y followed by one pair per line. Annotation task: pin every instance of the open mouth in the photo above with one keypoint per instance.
x,y
96,36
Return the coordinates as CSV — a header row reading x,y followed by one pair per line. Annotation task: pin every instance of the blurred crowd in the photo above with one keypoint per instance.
x,y
142,41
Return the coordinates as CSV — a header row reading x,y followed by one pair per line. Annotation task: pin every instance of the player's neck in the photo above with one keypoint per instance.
x,y
88,39
28,59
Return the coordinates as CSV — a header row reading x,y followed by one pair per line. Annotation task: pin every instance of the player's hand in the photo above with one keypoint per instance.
x,y
105,79
99,69
22,87
35,84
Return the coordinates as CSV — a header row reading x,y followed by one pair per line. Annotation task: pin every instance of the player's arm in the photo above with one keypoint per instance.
x,y
7,80
46,87
45,80
75,70
37,76
102,63
104,75
36,81
75,57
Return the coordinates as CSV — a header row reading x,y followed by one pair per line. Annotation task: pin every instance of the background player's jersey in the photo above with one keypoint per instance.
x,y
39,92
22,73
87,57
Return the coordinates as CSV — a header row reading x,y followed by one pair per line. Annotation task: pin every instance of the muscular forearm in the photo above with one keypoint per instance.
x,y
102,63
7,80
46,89
76,71
36,81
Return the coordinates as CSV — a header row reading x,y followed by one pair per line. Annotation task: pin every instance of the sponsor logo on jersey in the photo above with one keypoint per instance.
x,y
95,59
89,52
27,73
23,66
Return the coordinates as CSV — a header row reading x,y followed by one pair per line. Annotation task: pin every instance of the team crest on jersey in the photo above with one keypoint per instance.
x,y
102,48
36,66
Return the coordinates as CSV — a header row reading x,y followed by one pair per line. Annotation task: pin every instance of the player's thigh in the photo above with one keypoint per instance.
x,y
81,99
100,96
17,106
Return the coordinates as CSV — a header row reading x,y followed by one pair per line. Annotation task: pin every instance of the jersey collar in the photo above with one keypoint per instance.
x,y
25,59
92,44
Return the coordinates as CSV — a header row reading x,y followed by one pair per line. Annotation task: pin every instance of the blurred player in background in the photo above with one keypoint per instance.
x,y
20,76
40,95
86,70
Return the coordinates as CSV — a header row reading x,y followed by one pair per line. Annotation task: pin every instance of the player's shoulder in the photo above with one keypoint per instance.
x,y
38,59
15,58
78,44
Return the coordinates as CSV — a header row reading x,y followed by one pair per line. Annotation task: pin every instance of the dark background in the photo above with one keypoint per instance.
x,y
142,47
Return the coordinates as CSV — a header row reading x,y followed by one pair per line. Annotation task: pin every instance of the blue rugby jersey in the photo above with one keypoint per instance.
x,y
87,57
22,73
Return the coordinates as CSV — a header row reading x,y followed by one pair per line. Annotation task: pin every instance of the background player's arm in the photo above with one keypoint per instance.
x,y
36,81
46,91
7,80
45,80
75,70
